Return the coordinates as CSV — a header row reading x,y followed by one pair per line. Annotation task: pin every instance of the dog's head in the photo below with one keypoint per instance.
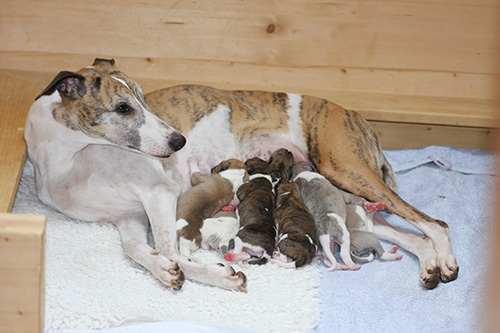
x,y
257,165
106,104
280,164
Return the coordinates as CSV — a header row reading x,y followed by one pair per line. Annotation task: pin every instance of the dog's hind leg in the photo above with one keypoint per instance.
x,y
134,232
347,152
419,246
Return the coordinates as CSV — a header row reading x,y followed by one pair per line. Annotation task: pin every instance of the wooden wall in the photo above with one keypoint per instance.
x,y
429,62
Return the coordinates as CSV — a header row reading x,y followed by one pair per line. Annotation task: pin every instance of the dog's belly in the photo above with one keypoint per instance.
x,y
212,140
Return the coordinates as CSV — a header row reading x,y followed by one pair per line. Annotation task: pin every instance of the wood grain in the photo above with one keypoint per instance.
x,y
436,48
16,97
22,257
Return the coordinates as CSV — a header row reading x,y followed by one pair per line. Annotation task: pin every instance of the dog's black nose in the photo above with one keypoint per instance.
x,y
177,142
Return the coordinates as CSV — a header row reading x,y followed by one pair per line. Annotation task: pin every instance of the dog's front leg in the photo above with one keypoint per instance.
x,y
134,232
160,204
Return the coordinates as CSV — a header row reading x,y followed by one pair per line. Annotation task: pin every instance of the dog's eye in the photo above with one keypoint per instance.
x,y
123,108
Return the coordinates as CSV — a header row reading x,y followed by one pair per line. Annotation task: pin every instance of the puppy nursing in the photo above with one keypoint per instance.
x,y
208,195
326,204
298,236
256,237
364,243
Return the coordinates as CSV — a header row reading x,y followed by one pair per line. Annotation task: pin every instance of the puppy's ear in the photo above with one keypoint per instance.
x,y
69,85
242,193
224,166
101,61
290,172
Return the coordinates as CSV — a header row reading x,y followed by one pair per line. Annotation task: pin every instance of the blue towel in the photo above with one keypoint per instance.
x,y
387,296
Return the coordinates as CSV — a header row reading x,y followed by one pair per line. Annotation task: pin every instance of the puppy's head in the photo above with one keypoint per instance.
x,y
257,165
280,164
233,170
107,106
298,168
229,164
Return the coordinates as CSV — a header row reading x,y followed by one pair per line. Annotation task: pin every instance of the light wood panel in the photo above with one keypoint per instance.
x,y
22,257
16,97
436,48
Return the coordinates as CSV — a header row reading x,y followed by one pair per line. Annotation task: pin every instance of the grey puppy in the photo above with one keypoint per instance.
x,y
364,243
326,203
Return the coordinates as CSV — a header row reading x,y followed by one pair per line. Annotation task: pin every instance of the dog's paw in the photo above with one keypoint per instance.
x,y
448,267
169,273
429,275
230,279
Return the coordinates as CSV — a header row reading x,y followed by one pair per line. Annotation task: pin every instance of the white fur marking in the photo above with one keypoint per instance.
x,y
235,176
181,223
295,122
309,175
260,175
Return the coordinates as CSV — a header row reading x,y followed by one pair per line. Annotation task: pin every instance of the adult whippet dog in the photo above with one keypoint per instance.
x,y
103,151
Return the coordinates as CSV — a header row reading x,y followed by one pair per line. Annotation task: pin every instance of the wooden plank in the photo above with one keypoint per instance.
x,y
436,48
22,241
407,136
16,96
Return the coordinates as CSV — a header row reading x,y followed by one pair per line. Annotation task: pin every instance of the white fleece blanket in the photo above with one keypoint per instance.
x,y
91,283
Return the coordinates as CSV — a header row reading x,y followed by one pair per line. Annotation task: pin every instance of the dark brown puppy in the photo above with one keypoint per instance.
x,y
280,165
257,235
298,236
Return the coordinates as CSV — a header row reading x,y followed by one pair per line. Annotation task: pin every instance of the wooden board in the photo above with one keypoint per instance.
x,y
22,255
429,48
16,97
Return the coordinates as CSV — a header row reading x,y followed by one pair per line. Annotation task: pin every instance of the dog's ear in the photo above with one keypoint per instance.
x,y
69,84
101,61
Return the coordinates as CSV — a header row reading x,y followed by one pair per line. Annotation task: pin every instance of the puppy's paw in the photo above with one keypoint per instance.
x,y
448,267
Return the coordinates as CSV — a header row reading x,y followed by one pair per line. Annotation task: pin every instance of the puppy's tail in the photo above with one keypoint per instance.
x,y
260,261
360,259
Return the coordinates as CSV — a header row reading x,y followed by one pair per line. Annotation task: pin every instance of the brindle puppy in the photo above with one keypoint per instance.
x,y
257,235
298,235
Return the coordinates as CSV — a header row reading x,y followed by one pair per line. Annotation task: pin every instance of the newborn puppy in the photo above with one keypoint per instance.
x,y
327,206
219,230
208,195
298,236
280,165
364,243
257,235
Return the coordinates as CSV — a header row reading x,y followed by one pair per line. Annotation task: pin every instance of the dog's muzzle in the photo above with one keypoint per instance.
x,y
177,142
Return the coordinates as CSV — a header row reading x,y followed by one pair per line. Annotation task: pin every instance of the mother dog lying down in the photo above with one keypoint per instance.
x,y
105,152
